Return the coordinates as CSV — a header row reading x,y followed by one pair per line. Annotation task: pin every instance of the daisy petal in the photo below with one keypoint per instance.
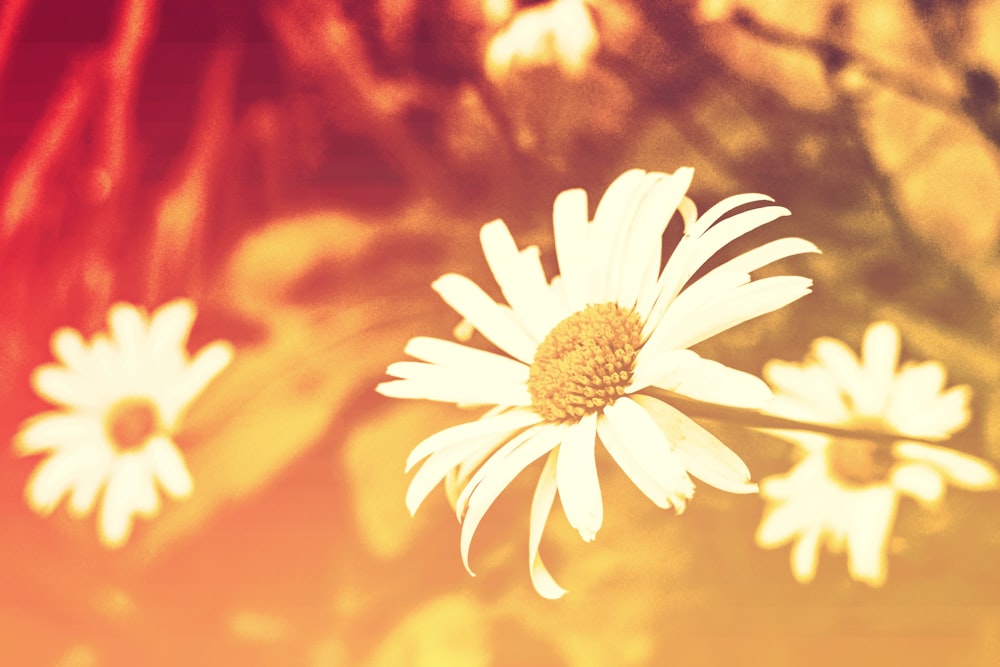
x,y
805,555
70,348
167,465
880,355
170,326
710,381
54,431
640,448
739,305
126,495
451,354
541,506
448,389
520,277
576,474
501,425
455,447
868,535
540,441
961,469
52,480
572,238
712,215
497,323
701,453
920,482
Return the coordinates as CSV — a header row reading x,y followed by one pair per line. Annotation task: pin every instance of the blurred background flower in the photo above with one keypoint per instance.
x,y
303,169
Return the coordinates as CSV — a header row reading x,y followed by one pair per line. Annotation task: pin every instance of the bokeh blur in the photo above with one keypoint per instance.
x,y
303,169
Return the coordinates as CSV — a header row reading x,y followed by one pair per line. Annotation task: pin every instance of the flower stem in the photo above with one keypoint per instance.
x,y
756,419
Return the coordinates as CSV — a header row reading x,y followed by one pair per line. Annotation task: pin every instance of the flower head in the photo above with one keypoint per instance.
x,y
121,397
844,492
579,354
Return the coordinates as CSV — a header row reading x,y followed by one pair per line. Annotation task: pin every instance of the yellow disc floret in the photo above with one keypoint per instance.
x,y
585,362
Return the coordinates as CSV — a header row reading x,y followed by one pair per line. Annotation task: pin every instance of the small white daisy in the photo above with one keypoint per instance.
x,y
579,353
121,397
844,492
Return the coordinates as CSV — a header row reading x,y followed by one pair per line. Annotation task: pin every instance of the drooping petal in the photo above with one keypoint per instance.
x,y
961,469
506,466
497,323
870,526
781,523
701,453
576,474
541,507
643,452
456,446
499,425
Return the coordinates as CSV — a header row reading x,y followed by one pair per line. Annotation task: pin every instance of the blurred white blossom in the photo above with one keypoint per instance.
x,y
843,493
560,34
579,351
121,396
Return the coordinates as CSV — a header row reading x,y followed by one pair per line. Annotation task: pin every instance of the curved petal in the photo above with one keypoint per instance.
x,y
643,452
576,475
700,452
541,506
505,467
500,425
497,323
712,215
453,447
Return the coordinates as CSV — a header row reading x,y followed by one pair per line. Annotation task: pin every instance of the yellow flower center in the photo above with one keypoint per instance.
x,y
585,362
857,462
131,422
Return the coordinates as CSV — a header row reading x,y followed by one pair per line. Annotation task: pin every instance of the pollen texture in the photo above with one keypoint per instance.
x,y
585,363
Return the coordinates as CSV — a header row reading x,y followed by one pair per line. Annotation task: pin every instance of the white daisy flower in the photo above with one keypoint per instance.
x,y
844,492
121,397
580,352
